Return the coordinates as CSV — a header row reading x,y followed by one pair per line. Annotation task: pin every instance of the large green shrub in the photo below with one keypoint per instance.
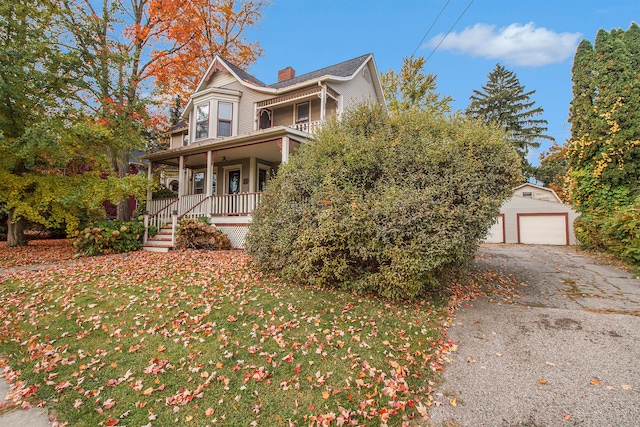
x,y
109,237
616,231
384,204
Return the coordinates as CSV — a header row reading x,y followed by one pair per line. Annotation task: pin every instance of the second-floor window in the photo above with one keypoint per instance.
x,y
302,112
202,121
225,117
265,119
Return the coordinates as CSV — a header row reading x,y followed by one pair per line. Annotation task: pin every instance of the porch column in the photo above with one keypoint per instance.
x,y
252,175
323,103
211,156
181,180
285,149
150,178
256,118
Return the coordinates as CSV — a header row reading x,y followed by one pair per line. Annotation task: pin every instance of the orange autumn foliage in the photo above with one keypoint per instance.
x,y
197,31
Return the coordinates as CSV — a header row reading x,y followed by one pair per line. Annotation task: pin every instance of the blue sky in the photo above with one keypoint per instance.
x,y
534,38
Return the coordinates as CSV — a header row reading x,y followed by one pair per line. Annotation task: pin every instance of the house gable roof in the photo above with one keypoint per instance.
x,y
539,188
344,69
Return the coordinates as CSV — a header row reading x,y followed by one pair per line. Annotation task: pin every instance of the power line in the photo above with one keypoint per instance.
x,y
432,24
450,29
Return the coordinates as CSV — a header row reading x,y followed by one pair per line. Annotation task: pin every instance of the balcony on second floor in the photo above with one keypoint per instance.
x,y
304,110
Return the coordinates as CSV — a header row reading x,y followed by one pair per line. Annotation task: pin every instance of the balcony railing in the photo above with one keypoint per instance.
x,y
308,127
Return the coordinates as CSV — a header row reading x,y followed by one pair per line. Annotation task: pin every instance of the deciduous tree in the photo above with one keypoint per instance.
x,y
503,100
201,29
49,168
553,170
411,88
34,83
131,50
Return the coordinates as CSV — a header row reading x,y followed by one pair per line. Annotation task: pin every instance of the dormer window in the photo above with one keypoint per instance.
x,y
225,118
302,112
202,121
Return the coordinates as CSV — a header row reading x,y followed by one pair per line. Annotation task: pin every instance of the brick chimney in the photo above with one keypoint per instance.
x,y
286,74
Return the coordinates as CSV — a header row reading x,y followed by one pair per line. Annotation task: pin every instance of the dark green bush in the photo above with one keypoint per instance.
x,y
109,237
384,204
616,231
198,234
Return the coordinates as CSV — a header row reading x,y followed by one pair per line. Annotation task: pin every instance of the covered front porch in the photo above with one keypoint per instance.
x,y
221,179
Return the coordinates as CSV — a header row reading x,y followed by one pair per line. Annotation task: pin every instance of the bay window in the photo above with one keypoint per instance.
x,y
202,121
225,118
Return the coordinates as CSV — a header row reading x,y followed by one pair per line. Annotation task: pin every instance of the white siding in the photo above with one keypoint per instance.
x,y
535,192
220,79
496,232
246,109
356,90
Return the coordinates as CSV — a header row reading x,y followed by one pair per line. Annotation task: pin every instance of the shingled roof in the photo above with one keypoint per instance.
x,y
243,74
343,69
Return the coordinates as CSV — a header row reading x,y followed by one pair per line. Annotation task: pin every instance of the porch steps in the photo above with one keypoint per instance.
x,y
161,242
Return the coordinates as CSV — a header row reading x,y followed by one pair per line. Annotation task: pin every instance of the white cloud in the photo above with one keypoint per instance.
x,y
516,44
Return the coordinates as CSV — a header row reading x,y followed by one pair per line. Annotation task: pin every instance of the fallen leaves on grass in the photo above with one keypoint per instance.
x,y
36,252
185,336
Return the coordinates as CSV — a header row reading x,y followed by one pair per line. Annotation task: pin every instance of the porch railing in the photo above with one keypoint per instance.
x,y
187,202
197,205
202,208
155,206
235,204
160,212
308,127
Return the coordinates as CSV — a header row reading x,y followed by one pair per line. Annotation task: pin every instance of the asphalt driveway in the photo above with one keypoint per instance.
x,y
565,353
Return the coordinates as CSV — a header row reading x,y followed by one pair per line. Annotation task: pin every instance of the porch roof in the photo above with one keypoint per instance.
x,y
260,136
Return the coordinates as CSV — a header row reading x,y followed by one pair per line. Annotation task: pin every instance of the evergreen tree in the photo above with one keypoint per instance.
x,y
504,101
174,111
604,150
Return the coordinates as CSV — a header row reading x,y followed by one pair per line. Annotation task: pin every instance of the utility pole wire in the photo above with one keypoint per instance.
x,y
432,24
450,29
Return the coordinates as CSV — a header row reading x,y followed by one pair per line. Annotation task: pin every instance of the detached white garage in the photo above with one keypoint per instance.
x,y
534,215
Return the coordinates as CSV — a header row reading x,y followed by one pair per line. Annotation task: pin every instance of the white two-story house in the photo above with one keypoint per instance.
x,y
237,130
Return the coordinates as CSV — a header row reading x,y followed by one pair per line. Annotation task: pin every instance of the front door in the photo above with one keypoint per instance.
x,y
233,181
233,187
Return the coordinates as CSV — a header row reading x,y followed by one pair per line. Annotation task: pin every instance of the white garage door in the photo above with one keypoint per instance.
x,y
496,232
543,229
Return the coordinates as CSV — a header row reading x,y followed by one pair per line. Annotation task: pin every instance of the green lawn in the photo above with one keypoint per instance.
x,y
202,338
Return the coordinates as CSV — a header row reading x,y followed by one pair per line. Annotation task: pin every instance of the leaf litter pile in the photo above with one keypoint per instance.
x,y
37,252
203,338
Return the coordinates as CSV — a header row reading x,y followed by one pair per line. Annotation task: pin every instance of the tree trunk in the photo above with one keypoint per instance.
x,y
15,230
122,161
124,213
